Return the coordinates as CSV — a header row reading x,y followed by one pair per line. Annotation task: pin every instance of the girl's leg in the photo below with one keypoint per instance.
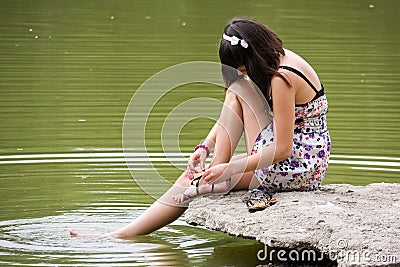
x,y
160,213
163,212
247,181
229,130
235,114
244,109
238,113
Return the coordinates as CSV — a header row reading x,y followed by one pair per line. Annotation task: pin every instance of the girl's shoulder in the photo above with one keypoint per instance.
x,y
291,65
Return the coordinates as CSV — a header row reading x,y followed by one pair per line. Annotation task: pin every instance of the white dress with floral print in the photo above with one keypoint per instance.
x,y
306,167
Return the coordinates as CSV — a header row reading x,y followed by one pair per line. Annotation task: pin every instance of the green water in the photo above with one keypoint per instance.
x,y
68,70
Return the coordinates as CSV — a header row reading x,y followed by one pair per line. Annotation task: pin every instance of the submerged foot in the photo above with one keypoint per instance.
x,y
72,232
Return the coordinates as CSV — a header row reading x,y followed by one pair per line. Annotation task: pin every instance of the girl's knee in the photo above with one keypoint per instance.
x,y
231,98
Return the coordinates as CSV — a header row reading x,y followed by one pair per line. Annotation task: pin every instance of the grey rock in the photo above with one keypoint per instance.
x,y
352,225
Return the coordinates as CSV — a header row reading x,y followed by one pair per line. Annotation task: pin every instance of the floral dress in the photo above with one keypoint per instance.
x,y
306,167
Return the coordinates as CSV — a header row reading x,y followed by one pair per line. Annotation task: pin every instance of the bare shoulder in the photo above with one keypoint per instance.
x,y
294,60
282,80
283,85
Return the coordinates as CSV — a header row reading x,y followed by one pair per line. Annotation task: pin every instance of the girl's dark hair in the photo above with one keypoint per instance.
x,y
261,57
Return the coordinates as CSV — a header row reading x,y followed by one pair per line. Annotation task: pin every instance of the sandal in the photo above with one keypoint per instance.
x,y
259,200
262,204
195,183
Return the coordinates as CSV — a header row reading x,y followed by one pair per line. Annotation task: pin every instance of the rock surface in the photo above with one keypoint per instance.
x,y
352,225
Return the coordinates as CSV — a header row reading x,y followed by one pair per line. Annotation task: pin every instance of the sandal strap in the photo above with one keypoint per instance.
x,y
260,194
196,182
257,195
185,196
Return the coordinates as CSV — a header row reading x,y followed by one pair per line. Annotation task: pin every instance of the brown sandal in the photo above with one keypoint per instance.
x,y
262,204
259,199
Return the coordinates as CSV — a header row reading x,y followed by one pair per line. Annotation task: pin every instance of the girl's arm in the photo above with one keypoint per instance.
x,y
200,155
211,137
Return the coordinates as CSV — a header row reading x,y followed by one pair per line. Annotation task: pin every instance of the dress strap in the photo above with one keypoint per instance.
x,y
299,73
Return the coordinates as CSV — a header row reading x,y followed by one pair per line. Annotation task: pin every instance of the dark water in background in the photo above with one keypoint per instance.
x,y
68,70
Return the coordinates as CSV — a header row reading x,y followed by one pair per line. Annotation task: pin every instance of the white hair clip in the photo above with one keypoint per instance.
x,y
235,41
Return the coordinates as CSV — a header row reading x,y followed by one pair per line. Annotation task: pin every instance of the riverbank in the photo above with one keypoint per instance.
x,y
352,225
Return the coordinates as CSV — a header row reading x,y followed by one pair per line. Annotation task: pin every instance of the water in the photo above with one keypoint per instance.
x,y
69,69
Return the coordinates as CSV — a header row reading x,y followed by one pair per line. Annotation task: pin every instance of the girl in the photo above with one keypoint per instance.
x,y
276,98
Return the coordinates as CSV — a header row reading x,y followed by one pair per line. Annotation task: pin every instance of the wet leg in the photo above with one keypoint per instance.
x,y
160,213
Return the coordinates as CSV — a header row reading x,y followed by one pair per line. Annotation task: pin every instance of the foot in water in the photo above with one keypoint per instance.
x,y
194,190
72,232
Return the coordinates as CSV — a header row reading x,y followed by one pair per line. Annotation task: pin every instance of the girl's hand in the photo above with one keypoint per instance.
x,y
199,156
217,173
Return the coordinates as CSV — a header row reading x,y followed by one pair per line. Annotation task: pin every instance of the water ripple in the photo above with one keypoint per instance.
x,y
45,241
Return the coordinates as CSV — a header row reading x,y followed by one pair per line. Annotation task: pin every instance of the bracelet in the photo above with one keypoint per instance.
x,y
203,146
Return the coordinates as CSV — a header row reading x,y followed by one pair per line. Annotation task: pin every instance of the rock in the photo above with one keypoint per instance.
x,y
351,225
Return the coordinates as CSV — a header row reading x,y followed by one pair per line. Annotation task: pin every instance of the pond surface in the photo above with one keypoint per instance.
x,y
68,70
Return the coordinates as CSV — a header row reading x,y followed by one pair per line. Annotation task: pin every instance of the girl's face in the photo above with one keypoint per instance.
x,y
242,70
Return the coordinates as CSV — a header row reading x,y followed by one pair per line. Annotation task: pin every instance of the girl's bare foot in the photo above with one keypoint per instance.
x,y
190,193
195,190
72,232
